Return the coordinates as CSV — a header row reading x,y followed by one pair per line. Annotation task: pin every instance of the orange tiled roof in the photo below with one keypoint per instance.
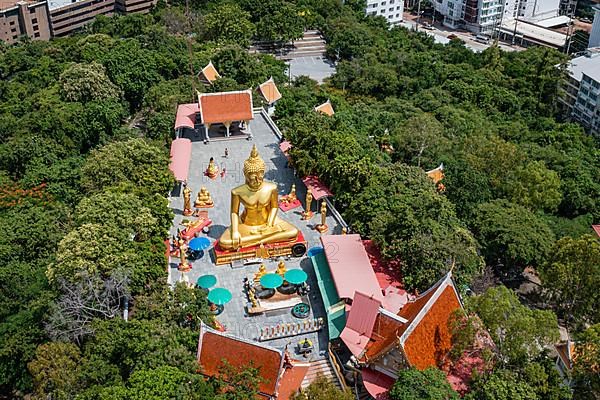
x,y
291,380
565,354
225,106
215,347
209,73
436,174
325,108
269,91
430,341
385,334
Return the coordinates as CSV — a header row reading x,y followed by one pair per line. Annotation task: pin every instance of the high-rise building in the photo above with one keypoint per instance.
x,y
595,32
391,10
23,18
581,93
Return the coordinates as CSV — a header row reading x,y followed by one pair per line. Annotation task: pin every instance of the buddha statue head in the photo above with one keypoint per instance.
x,y
254,170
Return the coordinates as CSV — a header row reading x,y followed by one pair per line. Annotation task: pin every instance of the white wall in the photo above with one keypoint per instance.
x,y
595,33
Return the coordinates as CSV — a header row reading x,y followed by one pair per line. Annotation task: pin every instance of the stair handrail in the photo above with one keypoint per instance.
x,y
336,368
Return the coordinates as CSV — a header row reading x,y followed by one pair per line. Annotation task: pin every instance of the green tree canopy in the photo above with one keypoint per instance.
x,y
86,82
430,384
229,23
586,368
321,388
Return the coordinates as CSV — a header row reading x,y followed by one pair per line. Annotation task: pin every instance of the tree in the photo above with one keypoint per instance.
x,y
123,211
430,384
235,383
164,382
511,236
518,332
86,82
417,138
229,23
502,385
321,388
586,369
282,23
571,278
534,186
55,370
135,162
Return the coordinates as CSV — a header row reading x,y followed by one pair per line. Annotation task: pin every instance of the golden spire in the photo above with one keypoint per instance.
x,y
254,163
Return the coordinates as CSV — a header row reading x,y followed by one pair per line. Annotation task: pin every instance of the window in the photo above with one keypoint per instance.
x,y
450,13
596,84
584,91
383,3
398,8
450,5
392,1
34,21
35,28
397,15
13,30
37,34
391,9
12,23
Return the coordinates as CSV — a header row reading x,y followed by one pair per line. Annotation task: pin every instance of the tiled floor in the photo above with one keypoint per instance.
x,y
234,317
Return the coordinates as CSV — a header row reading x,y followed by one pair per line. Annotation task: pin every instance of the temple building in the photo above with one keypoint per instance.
x,y
325,108
281,376
229,112
270,94
208,74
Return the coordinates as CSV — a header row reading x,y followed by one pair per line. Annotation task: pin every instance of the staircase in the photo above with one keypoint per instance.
x,y
312,44
320,367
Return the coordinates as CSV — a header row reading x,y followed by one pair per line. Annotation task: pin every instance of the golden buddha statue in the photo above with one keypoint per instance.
x,y
259,223
212,171
187,202
262,270
203,199
322,227
281,268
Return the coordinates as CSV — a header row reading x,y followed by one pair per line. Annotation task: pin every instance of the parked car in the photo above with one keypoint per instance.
x,y
482,38
428,26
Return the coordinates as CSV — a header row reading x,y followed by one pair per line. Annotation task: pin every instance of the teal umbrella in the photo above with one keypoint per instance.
x,y
206,281
271,281
295,276
219,296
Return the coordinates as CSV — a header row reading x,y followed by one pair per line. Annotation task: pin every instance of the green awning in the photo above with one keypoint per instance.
x,y
336,312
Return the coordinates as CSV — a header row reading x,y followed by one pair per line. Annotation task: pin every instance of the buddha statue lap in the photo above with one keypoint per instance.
x,y
258,223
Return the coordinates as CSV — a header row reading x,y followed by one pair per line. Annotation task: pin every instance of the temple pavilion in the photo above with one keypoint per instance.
x,y
208,74
229,110
281,376
325,108
270,93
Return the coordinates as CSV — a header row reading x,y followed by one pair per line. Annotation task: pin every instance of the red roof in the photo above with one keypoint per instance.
x,y
596,229
181,153
360,322
269,91
214,347
376,383
186,115
291,380
285,146
225,106
316,187
350,267
430,340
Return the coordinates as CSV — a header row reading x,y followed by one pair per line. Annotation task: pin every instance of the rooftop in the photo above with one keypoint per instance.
x,y
225,106
534,32
209,73
269,91
325,108
588,64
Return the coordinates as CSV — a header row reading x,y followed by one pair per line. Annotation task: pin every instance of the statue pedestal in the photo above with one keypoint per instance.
x,y
295,248
187,212
184,268
307,215
322,228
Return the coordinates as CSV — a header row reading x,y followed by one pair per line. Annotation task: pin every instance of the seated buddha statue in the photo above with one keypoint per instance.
x,y
212,171
281,270
259,223
203,199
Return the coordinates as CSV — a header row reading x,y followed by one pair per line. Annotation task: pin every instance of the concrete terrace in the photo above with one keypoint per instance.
x,y
234,316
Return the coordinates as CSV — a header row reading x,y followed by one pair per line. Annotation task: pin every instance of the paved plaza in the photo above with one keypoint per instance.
x,y
315,67
234,317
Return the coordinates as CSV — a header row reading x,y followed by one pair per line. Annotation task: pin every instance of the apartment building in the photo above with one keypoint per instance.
x,y
595,33
391,10
21,18
581,93
42,20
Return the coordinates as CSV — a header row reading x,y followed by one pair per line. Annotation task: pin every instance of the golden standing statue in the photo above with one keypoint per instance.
x,y
259,223
322,227
184,265
308,214
187,201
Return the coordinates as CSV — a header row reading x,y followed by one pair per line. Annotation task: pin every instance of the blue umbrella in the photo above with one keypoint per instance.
x,y
198,244
271,281
219,296
206,281
295,276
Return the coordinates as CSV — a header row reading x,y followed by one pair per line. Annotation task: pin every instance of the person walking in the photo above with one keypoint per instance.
x,y
226,152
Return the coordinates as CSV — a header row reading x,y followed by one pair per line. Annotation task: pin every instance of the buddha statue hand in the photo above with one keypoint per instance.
x,y
236,239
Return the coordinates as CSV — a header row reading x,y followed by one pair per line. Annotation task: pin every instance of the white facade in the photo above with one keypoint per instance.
x,y
452,10
585,76
595,33
391,10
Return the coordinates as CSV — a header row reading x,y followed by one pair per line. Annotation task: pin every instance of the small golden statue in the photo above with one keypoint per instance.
x,y
281,270
291,197
262,251
344,230
262,270
212,171
322,227
184,265
203,199
187,201
259,222
308,214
